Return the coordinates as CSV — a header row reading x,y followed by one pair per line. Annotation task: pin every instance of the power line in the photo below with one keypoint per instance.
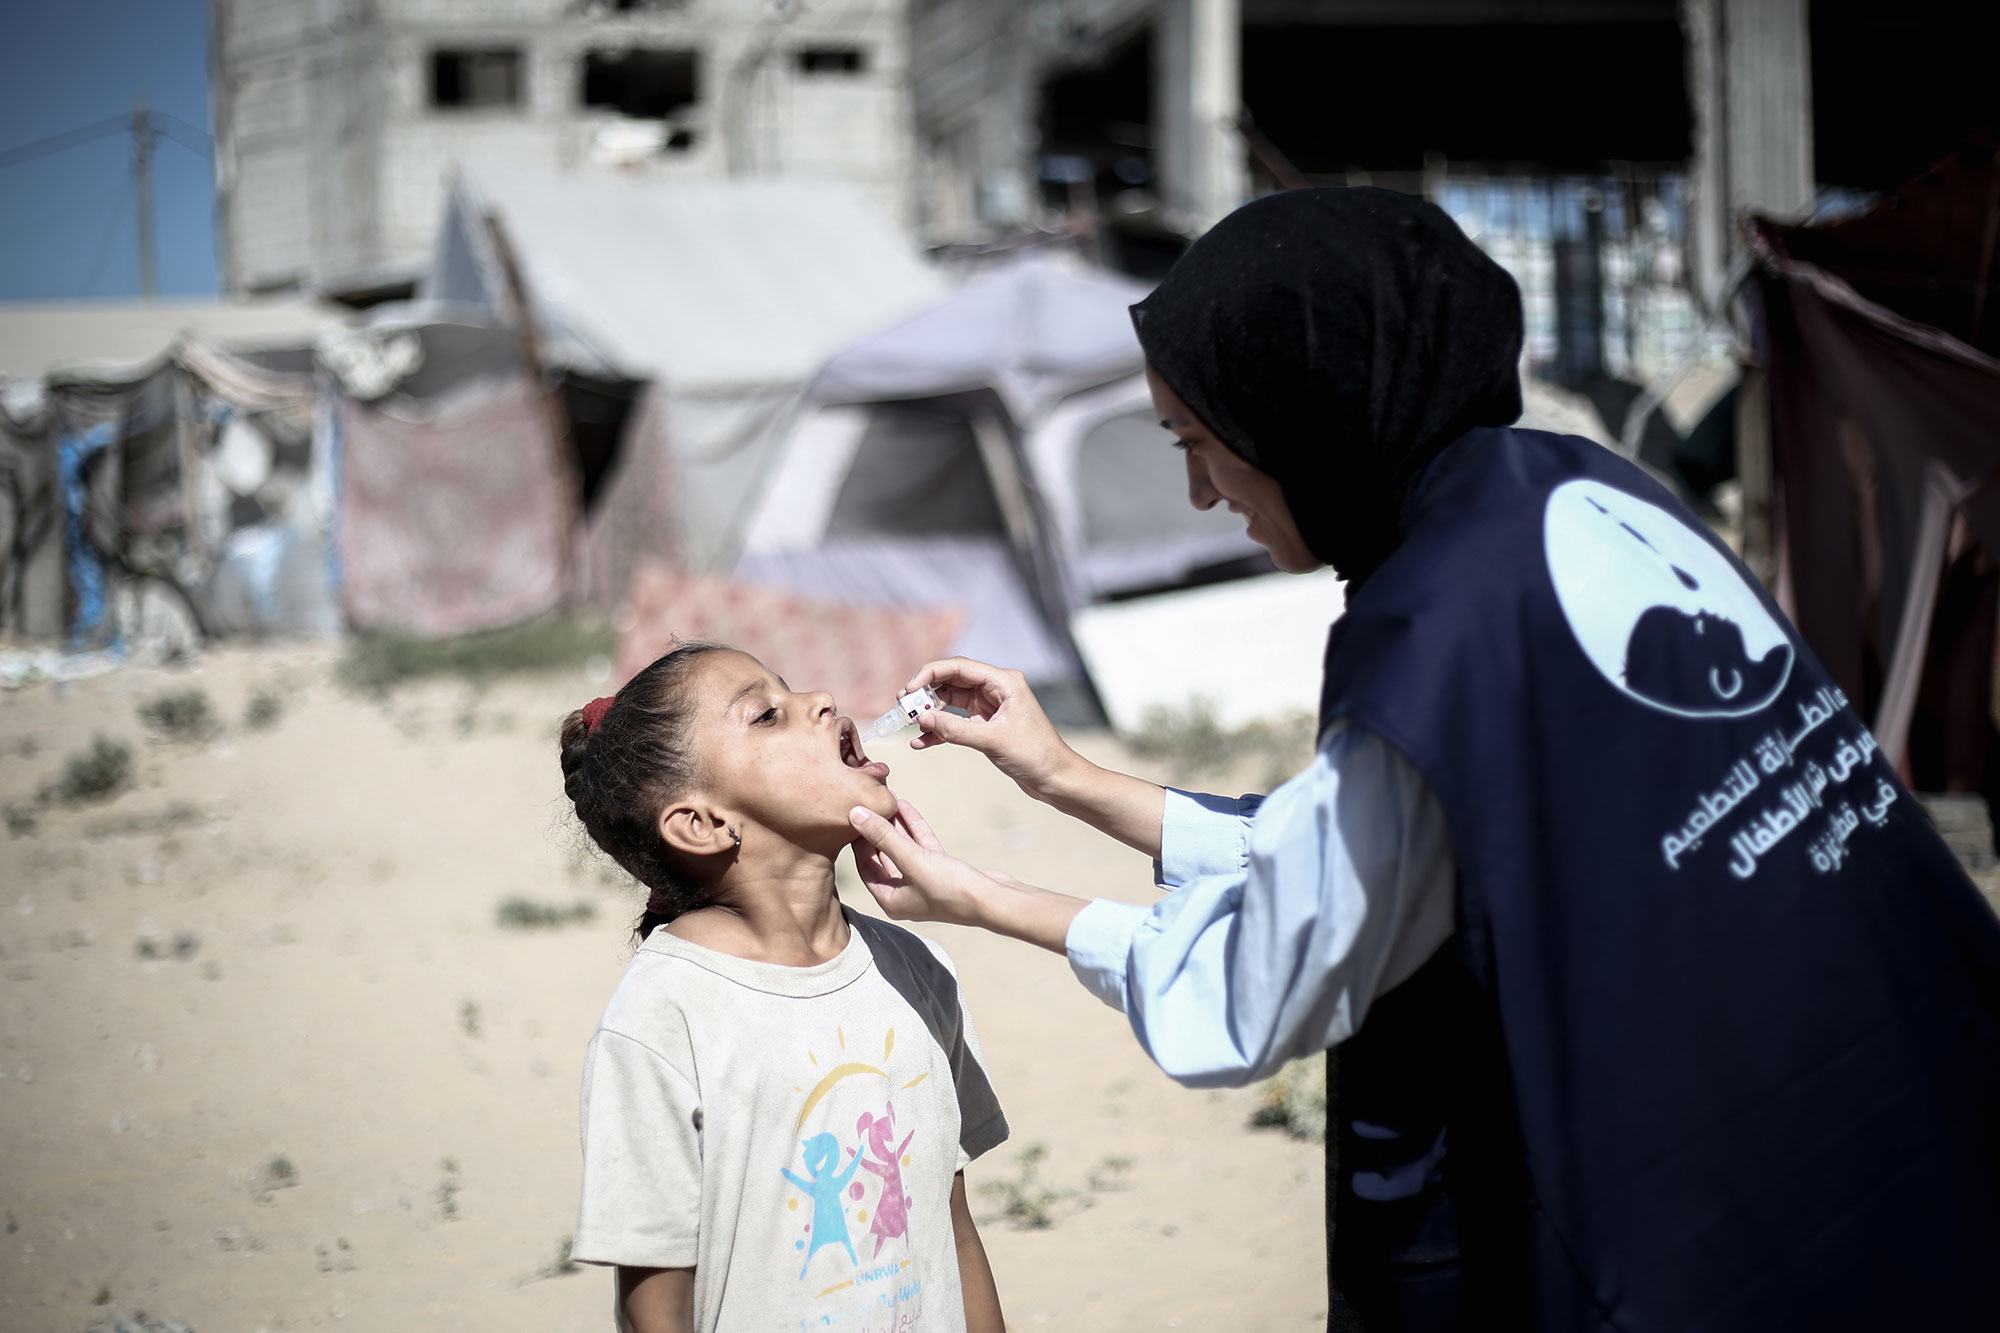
x,y
184,124
176,135
55,143
173,120
110,125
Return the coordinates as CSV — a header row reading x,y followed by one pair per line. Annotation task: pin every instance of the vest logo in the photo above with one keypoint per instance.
x,y
1660,612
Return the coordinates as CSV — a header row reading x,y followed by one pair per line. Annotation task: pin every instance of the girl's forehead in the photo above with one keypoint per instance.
x,y
723,676
733,662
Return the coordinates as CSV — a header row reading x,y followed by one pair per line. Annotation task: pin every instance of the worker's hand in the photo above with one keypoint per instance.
x,y
1004,722
909,872
913,878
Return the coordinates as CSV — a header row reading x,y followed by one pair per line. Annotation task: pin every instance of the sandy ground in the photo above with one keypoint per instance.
x,y
334,991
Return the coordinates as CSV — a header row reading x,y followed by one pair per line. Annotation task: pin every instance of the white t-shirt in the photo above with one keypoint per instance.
x,y
790,1132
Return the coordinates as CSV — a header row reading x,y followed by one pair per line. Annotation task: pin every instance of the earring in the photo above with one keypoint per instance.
x,y
736,837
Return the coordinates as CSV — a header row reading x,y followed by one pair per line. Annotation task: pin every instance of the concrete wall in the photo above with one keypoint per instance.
x,y
295,113
334,160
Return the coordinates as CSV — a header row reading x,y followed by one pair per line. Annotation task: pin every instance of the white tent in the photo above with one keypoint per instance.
x,y
997,450
727,295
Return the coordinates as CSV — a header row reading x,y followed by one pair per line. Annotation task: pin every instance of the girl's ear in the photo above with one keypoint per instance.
x,y
693,827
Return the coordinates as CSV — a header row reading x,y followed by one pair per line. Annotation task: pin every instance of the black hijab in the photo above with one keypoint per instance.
x,y
1337,340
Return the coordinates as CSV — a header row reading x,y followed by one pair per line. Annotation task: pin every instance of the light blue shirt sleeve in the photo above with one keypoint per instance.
x,y
1339,887
1203,835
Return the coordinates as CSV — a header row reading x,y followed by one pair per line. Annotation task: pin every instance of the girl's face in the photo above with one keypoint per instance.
x,y
1217,476
777,759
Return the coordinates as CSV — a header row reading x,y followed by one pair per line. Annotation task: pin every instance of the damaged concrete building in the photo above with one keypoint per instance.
x,y
1601,148
338,121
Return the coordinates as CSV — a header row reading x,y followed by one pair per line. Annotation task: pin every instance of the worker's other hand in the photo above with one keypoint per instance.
x,y
1004,721
909,872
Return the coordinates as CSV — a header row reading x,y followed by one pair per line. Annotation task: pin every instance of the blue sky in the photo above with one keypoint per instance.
x,y
67,229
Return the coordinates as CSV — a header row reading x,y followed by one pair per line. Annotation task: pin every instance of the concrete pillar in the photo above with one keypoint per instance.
x,y
1197,95
1010,140
1750,76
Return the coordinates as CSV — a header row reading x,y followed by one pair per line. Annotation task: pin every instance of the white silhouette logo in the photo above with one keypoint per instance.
x,y
1660,612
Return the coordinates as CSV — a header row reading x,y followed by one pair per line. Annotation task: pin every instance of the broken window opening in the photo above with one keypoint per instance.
x,y
832,60
486,77
599,8
644,83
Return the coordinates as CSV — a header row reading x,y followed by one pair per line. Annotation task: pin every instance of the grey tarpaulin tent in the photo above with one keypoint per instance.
x,y
725,295
999,451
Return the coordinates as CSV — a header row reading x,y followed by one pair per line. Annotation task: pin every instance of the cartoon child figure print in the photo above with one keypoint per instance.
x,y
892,1210
829,1222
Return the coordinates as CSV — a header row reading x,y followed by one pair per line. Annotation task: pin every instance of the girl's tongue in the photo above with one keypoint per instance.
x,y
854,757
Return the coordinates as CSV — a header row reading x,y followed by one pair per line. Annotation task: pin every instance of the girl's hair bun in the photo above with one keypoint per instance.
x,y
575,742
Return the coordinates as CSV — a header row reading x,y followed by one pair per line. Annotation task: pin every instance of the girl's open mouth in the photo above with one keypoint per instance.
x,y
854,757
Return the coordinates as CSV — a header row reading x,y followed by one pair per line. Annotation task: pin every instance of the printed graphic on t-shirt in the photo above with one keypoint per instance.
x,y
845,1190
1668,621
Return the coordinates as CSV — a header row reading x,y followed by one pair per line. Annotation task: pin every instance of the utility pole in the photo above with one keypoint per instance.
x,y
142,190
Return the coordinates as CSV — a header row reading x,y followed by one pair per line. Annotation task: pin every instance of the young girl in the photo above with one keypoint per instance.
x,y
782,1096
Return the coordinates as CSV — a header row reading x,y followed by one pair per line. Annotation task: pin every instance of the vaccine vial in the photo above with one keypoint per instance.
x,y
908,709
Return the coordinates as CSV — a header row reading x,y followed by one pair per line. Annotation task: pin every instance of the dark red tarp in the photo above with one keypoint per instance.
x,y
452,519
1882,336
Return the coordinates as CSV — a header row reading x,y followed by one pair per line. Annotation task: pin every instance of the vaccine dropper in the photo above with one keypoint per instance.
x,y
908,709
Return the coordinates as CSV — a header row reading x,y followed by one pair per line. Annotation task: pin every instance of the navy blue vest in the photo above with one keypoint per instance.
x,y
1716,1044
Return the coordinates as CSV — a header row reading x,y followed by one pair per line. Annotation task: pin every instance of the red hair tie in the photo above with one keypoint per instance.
x,y
594,711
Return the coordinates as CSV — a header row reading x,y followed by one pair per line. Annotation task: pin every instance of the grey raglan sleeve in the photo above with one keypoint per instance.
x,y
982,1126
